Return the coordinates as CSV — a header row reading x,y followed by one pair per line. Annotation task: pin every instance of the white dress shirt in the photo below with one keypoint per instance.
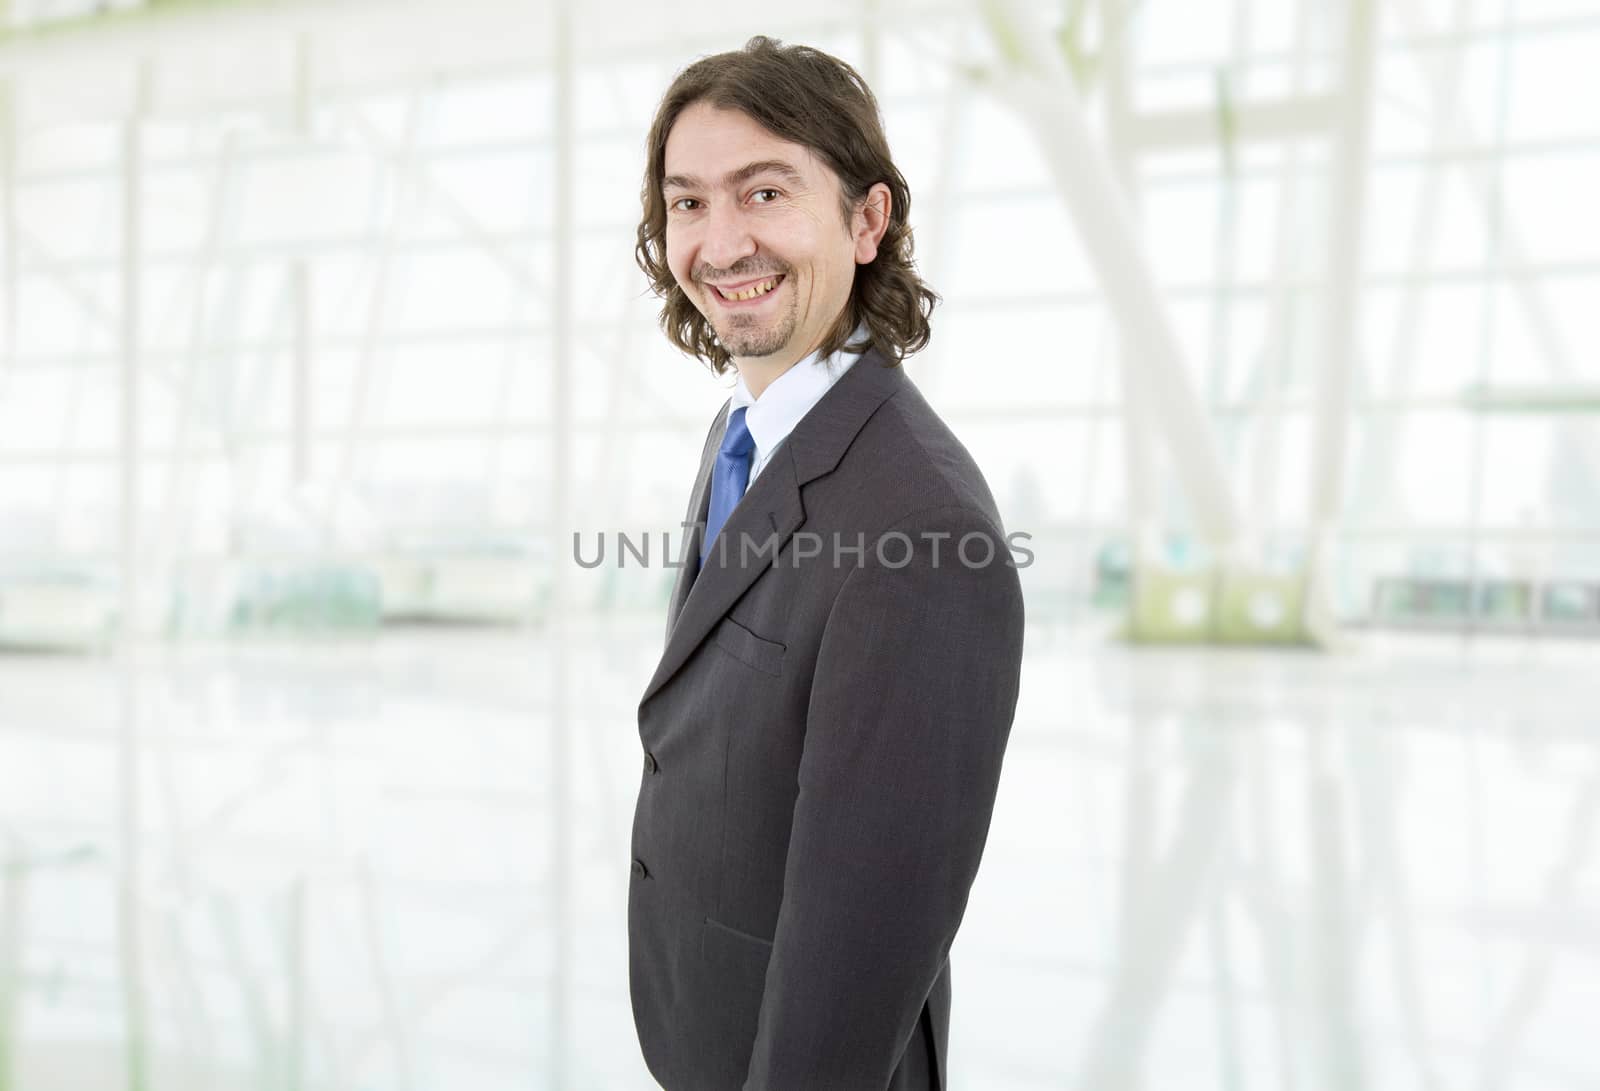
x,y
788,398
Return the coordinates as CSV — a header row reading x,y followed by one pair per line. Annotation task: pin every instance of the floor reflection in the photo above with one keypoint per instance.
x,y
403,864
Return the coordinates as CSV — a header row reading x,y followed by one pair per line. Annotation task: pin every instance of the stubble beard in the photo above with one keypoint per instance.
x,y
747,336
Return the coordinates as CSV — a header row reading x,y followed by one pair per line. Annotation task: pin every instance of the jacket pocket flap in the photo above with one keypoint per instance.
x,y
728,929
755,651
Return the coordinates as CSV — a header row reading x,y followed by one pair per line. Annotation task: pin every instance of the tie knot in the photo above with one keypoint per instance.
x,y
737,441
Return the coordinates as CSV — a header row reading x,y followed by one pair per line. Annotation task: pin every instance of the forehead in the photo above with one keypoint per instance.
x,y
708,142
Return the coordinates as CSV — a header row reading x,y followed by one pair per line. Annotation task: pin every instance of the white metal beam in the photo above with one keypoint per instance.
x,y
1138,427
1341,308
8,227
131,284
130,911
562,362
300,386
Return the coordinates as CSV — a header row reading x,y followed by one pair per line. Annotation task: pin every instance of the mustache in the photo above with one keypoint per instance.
x,y
706,274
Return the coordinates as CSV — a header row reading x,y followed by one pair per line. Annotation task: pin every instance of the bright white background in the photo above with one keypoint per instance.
x,y
322,333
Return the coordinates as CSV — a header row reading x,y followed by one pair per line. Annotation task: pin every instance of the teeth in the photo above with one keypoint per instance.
x,y
754,290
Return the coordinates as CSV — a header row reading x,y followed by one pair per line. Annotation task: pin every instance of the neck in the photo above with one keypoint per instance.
x,y
760,372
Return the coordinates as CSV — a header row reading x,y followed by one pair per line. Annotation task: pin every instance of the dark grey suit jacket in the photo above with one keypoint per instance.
x,y
822,747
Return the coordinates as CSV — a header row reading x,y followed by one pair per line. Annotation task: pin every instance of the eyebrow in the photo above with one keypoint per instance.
x,y
736,177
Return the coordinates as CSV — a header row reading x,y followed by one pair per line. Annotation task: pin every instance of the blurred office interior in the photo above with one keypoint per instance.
x,y
1272,325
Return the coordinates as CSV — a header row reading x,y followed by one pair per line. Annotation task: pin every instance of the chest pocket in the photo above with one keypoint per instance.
x,y
755,651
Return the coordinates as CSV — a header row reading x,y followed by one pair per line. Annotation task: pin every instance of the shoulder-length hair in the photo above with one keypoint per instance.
x,y
806,97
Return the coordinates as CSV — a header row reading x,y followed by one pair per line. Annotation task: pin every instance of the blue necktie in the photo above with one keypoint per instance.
x,y
728,478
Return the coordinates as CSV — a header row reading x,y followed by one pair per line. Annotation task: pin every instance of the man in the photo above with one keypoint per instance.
x,y
823,736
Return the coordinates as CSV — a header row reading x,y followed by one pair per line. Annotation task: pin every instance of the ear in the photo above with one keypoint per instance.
x,y
870,222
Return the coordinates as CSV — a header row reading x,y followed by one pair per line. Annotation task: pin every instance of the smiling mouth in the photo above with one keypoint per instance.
x,y
749,290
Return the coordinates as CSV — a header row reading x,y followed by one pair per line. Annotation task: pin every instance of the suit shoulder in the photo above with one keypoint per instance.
x,y
933,467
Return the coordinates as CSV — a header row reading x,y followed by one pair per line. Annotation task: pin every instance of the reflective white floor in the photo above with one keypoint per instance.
x,y
376,866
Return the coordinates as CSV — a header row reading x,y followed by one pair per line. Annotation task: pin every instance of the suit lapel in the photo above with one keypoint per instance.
x,y
695,517
772,507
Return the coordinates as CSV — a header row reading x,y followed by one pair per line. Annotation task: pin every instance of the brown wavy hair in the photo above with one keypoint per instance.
x,y
806,97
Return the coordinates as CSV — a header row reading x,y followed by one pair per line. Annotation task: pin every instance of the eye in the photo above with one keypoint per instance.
x,y
767,189
677,206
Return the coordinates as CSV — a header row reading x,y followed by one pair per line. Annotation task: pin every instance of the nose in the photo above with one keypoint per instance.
x,y
727,240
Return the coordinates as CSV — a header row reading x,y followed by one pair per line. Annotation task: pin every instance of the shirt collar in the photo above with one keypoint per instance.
x,y
791,395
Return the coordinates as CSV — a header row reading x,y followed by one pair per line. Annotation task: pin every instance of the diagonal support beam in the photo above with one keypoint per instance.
x,y
1041,89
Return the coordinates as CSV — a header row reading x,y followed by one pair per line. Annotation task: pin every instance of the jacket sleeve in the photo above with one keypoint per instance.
x,y
910,710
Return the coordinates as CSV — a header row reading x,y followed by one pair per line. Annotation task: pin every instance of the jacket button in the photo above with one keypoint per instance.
x,y
639,869
650,763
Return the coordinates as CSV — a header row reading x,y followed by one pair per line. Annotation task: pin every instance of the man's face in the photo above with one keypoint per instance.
x,y
755,235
